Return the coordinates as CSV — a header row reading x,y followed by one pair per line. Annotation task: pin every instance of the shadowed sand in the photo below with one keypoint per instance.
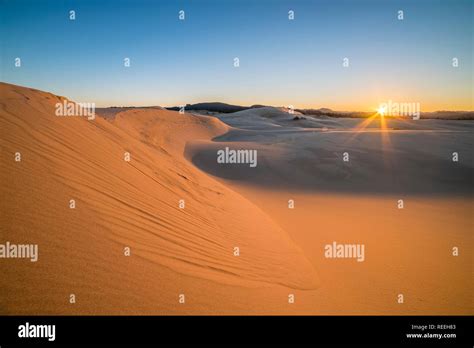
x,y
190,251
408,251
399,156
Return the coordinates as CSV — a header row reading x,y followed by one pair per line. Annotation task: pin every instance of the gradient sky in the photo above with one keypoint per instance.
x,y
282,62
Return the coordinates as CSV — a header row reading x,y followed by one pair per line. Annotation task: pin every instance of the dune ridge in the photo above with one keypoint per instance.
x,y
125,204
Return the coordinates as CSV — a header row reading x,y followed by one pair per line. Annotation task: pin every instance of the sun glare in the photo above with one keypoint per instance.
x,y
381,110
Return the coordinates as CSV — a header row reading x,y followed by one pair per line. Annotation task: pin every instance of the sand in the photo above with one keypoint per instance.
x,y
190,251
408,251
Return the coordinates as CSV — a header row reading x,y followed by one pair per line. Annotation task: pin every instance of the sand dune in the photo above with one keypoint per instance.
x,y
401,156
267,118
190,251
130,204
408,251
401,162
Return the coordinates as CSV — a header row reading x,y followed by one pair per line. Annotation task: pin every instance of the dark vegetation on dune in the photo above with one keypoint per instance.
x,y
215,107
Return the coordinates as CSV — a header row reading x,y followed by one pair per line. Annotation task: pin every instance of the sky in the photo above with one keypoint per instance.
x,y
282,62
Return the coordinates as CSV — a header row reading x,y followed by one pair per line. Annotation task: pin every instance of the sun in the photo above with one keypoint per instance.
x,y
381,110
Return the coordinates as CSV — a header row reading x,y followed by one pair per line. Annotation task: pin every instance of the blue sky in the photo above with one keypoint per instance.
x,y
282,62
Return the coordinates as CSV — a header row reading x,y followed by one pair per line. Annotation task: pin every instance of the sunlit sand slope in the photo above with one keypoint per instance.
x,y
133,204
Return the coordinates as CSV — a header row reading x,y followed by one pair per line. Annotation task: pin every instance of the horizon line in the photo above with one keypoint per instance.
x,y
237,105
